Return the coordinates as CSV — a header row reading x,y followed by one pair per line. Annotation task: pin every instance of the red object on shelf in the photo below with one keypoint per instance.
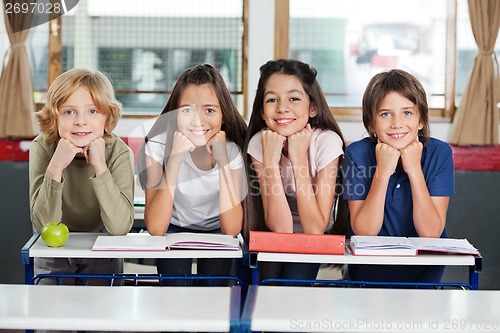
x,y
477,158
15,150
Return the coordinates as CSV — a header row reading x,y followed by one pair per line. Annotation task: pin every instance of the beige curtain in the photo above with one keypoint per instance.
x,y
16,85
476,119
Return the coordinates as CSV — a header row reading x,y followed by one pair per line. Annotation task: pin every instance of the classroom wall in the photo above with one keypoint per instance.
x,y
15,225
474,214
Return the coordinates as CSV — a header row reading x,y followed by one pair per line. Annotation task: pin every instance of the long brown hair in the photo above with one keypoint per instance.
x,y
232,121
254,216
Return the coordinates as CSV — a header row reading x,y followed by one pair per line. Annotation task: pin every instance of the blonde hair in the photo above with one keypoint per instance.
x,y
100,89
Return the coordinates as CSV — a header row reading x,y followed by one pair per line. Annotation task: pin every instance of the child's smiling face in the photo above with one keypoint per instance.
x,y
79,120
287,106
200,114
397,121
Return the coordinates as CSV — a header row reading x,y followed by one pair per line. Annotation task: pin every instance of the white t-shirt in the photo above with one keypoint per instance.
x,y
324,148
196,203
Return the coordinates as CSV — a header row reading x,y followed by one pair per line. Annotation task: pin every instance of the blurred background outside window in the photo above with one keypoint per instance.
x,y
145,44
350,41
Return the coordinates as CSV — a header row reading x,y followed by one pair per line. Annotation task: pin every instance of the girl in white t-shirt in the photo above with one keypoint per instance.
x,y
295,148
191,166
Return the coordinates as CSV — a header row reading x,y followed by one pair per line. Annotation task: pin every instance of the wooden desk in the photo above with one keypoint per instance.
x,y
145,309
79,246
310,309
474,262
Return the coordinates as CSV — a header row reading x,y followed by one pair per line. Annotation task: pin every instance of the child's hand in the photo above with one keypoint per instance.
x,y
272,145
64,154
95,155
387,158
216,147
298,145
181,147
411,156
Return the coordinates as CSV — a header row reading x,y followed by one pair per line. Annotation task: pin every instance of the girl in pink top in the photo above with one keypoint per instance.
x,y
295,149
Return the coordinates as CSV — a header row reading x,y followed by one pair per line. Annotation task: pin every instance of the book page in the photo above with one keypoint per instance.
x,y
181,240
130,242
444,245
381,245
188,240
381,242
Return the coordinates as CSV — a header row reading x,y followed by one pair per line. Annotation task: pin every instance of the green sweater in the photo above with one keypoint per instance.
x,y
84,202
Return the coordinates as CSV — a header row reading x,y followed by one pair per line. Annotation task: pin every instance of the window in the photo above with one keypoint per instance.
x,y
143,45
348,46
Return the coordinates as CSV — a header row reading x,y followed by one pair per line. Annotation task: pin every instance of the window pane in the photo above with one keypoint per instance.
x,y
145,44
38,43
466,48
348,45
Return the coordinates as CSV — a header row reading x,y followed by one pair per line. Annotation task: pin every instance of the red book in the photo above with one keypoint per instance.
x,y
265,241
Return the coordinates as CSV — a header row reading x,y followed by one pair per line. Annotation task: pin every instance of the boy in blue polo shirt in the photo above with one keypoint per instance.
x,y
398,181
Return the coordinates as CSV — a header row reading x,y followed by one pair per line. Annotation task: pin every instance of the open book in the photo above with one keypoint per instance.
x,y
407,246
181,240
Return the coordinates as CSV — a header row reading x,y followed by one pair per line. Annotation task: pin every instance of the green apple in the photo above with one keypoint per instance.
x,y
55,234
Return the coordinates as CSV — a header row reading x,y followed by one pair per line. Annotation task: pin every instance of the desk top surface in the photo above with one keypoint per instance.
x,y
379,310
115,308
79,245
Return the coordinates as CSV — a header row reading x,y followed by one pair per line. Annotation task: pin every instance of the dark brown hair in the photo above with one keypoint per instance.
x,y
403,83
254,217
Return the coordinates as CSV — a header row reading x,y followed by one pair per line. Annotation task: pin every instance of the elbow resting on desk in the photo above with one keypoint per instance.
x,y
120,229
155,228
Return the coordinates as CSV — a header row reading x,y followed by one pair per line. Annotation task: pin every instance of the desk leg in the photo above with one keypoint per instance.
x,y
242,269
244,275
29,272
254,268
246,315
473,278
28,261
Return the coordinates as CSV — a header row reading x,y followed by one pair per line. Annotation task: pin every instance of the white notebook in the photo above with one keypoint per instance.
x,y
181,240
408,246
